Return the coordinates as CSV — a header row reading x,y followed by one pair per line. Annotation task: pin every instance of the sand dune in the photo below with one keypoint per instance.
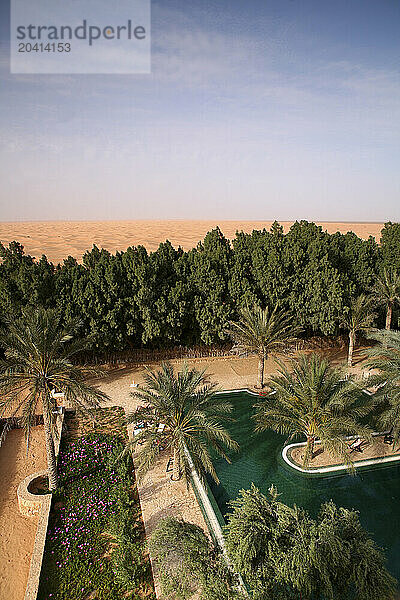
x,y
58,239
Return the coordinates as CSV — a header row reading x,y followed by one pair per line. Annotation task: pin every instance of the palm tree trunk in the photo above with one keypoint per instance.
x,y
261,363
176,473
352,339
51,455
309,448
389,315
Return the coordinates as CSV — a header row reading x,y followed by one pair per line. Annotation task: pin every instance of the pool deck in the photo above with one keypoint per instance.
x,y
373,454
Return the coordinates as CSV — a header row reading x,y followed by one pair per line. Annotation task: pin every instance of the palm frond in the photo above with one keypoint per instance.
x,y
312,400
261,329
192,414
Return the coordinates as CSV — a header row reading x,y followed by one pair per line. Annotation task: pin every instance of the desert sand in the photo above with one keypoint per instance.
x,y
17,533
59,239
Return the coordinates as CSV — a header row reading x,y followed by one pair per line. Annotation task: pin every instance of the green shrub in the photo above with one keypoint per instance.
x,y
128,563
285,554
189,564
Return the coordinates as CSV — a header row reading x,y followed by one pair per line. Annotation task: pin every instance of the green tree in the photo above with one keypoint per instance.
x,y
24,281
358,317
385,358
390,244
269,268
101,300
192,414
316,286
210,264
136,266
357,261
387,292
261,332
165,308
39,352
70,279
243,288
189,564
312,399
285,553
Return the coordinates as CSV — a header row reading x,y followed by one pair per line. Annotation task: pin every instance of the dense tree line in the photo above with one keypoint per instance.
x,y
171,297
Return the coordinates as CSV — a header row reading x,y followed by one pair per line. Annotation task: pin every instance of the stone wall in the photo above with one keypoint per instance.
x,y
32,504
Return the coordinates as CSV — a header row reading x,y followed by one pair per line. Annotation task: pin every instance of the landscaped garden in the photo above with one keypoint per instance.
x,y
95,543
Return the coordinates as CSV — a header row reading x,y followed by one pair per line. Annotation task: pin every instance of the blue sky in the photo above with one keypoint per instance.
x,y
254,110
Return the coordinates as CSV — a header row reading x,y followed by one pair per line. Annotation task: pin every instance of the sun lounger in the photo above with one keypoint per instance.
x,y
139,428
388,439
133,384
356,445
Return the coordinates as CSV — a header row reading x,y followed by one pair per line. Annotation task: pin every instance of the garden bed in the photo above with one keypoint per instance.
x,y
95,547
377,451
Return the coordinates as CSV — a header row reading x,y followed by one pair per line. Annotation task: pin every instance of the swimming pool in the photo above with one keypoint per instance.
x,y
374,493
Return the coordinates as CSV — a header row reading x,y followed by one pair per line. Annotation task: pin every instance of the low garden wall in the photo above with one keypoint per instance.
x,y
31,504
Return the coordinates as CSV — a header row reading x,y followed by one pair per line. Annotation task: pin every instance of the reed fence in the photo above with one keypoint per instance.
x,y
147,355
134,356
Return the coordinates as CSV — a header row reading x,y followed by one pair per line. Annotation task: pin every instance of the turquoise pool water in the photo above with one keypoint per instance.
x,y
374,493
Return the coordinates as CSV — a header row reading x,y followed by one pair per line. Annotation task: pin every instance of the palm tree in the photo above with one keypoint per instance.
x,y
385,358
387,292
38,350
315,401
182,413
359,317
261,332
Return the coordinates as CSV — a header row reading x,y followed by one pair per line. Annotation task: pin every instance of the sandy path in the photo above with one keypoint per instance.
x,y
58,239
17,533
